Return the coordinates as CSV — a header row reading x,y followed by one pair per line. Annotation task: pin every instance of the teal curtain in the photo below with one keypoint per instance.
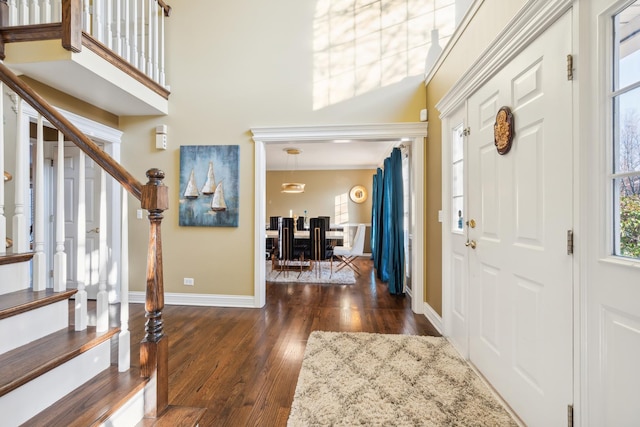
x,y
394,217
387,223
376,218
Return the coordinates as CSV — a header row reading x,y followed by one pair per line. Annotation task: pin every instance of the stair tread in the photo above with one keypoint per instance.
x,y
183,416
24,300
21,365
93,402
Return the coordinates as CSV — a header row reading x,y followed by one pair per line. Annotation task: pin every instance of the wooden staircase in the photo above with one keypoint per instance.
x,y
54,372
51,374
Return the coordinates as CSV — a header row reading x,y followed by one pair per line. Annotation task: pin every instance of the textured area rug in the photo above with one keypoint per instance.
x,y
320,274
350,379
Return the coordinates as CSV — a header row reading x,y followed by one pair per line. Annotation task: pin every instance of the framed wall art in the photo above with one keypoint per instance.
x,y
209,185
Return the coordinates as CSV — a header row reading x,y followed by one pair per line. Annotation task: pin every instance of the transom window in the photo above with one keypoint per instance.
x,y
625,108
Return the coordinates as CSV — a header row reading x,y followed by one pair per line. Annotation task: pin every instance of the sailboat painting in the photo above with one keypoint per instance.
x,y
191,192
216,203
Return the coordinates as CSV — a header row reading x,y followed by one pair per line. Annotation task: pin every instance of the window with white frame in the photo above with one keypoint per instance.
x,y
457,179
625,110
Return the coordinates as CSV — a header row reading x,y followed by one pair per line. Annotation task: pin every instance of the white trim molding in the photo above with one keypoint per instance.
x,y
204,300
531,21
413,133
433,317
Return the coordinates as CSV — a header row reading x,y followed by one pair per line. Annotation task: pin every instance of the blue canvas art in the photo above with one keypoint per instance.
x,y
209,185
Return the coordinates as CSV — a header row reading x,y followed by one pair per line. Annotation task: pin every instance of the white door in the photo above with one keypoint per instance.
x,y
612,275
455,271
92,193
520,273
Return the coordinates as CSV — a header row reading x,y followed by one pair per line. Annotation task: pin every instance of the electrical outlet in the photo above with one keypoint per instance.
x,y
188,281
139,214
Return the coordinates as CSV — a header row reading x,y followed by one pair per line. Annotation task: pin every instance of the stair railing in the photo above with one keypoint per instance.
x,y
153,197
132,29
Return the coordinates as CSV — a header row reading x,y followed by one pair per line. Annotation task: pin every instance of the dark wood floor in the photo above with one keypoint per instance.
x,y
243,364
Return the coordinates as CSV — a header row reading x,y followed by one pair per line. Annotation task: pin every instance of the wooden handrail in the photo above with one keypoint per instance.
x,y
83,142
165,7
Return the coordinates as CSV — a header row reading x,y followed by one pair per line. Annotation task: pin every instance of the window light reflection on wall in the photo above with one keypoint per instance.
x,y
361,46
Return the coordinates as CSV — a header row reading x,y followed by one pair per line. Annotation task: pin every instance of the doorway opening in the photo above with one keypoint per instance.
x,y
410,134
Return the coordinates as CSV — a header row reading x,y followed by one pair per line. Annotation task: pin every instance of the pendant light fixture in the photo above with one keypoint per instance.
x,y
292,187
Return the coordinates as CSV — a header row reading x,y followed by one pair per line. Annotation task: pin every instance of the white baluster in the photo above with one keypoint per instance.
x,y
3,219
13,13
23,12
98,20
126,34
45,12
117,33
34,12
152,40
102,302
60,258
56,11
124,342
81,314
108,24
161,75
39,257
142,61
86,17
133,41
21,183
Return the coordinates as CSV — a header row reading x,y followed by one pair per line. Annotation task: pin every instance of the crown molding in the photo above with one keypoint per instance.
x,y
532,20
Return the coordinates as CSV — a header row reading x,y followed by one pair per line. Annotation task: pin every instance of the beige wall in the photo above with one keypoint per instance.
x,y
73,105
235,65
321,189
489,20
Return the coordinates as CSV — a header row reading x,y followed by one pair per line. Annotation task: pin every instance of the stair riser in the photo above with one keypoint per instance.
x,y
23,403
130,413
29,326
15,277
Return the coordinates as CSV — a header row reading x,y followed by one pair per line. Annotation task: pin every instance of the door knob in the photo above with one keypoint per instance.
x,y
94,230
471,243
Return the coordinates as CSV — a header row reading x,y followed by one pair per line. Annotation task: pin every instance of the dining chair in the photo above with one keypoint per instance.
x,y
346,255
300,223
327,222
273,222
319,251
287,252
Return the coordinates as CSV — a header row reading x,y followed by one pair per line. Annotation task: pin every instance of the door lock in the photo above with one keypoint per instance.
x,y
471,243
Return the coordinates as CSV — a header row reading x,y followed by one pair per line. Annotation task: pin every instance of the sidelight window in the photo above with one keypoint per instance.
x,y
625,109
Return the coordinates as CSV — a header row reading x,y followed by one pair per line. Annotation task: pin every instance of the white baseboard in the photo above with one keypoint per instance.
x,y
433,317
205,300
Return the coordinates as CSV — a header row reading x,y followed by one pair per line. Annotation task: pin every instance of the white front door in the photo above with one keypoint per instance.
x,y
520,273
92,194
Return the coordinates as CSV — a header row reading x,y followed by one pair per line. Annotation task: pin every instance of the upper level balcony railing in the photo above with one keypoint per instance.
x,y
132,29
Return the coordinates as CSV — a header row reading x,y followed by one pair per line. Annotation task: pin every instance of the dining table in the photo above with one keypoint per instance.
x,y
333,235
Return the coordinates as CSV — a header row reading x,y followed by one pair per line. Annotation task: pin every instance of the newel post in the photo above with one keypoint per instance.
x,y
72,25
4,22
154,348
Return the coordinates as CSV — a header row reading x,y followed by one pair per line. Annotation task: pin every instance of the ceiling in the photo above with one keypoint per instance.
x,y
328,155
